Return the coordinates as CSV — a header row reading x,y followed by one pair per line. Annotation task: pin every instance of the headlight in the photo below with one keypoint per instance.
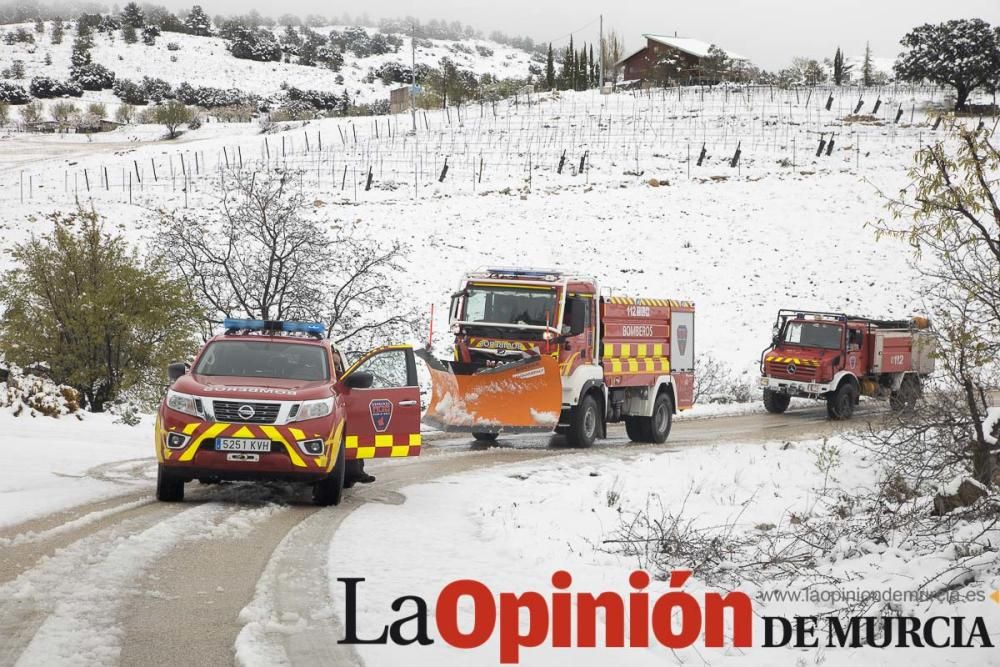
x,y
314,409
183,403
763,382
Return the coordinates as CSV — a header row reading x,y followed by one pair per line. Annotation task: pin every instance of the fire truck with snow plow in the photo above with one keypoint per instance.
x,y
269,400
540,350
839,358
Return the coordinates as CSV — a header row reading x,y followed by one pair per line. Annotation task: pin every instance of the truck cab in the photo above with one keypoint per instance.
x,y
839,358
269,400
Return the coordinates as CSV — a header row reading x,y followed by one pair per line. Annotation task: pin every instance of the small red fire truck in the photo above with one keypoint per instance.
x,y
540,350
839,358
273,401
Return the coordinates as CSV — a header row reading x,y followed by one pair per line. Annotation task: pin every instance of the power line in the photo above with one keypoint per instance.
x,y
570,34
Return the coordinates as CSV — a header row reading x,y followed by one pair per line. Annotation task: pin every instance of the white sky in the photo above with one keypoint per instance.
x,y
769,32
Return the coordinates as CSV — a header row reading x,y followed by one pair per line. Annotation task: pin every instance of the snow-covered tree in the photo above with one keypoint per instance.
x,y
255,45
962,53
197,22
132,16
57,31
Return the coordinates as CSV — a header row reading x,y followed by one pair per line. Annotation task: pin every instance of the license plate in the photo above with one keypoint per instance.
x,y
242,445
246,458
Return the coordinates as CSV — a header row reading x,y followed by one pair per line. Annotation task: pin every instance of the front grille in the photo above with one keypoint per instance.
x,y
802,373
229,411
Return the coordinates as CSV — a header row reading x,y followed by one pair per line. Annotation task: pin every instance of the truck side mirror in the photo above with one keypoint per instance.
x,y
359,380
176,370
775,334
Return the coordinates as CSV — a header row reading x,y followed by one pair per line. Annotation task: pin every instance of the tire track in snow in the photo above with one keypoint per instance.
x,y
66,609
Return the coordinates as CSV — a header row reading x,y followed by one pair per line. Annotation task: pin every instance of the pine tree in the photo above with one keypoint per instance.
x,y
838,67
198,23
132,16
129,34
550,70
868,68
57,31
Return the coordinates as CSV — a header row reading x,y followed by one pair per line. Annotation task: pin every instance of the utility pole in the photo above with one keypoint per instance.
x,y
600,77
413,76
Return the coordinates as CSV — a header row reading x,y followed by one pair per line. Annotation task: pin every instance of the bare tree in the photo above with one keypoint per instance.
x,y
612,51
263,253
950,215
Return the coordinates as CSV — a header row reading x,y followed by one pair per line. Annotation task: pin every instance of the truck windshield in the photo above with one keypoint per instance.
x,y
813,334
264,359
510,305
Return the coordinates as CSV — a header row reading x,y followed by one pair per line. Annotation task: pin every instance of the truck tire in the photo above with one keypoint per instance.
x,y
482,436
656,428
775,402
169,488
329,490
635,427
840,404
584,423
906,397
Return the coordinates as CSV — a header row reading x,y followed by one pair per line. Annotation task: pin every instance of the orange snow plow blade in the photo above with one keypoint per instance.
x,y
518,397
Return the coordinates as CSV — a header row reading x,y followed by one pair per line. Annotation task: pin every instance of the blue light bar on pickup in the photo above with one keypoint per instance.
x,y
313,328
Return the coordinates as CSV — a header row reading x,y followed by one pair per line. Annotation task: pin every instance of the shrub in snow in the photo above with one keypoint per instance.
x,y
209,98
11,93
27,394
255,45
93,76
318,99
156,90
484,51
130,92
173,46
44,87
149,35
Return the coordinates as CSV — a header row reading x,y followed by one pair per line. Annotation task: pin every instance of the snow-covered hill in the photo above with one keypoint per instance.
x,y
782,228
205,61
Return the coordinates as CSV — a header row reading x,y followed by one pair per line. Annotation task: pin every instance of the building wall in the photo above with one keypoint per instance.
x,y
640,65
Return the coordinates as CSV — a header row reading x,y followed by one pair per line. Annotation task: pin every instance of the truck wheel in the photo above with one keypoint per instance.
x,y
635,427
905,399
840,404
169,488
662,419
775,402
584,423
484,437
330,490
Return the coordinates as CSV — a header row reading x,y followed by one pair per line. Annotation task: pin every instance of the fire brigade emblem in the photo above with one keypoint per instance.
x,y
381,412
682,339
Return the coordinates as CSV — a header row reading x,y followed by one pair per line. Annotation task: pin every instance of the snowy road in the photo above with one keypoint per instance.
x,y
130,580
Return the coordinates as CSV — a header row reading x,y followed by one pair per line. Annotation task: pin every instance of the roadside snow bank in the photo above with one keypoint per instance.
x,y
512,527
52,464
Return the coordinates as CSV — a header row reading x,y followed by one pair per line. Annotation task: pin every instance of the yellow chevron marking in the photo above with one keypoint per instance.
x,y
275,434
210,432
190,428
243,433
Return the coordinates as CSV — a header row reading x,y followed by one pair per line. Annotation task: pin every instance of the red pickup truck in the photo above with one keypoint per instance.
x,y
273,400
